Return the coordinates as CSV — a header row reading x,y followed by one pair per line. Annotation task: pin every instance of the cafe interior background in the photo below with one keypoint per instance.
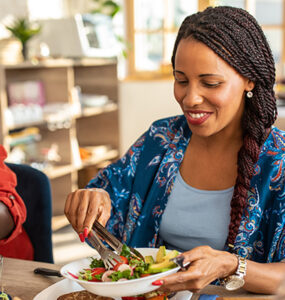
x,y
87,77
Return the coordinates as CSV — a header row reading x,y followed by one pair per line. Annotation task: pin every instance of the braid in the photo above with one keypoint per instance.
x,y
235,36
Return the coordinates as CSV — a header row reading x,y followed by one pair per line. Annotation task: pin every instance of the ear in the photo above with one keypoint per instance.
x,y
249,85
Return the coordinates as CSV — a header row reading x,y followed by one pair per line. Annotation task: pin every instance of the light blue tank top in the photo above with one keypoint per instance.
x,y
195,217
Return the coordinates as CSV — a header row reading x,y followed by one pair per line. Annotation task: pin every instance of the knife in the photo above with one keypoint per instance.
x,y
47,272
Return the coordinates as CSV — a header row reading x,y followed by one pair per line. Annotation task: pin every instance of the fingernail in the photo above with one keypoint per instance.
x,y
157,282
85,232
81,236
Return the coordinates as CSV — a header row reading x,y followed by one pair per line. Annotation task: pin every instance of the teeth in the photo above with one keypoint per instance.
x,y
197,116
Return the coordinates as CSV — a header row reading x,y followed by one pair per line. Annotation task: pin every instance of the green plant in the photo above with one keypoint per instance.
x,y
107,7
111,8
23,30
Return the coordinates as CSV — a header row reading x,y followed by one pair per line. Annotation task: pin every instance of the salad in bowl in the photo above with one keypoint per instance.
x,y
131,276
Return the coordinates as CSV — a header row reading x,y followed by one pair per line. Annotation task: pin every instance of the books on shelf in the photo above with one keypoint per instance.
x,y
26,92
96,154
25,136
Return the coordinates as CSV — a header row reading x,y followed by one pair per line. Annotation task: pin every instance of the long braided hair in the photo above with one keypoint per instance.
x,y
234,35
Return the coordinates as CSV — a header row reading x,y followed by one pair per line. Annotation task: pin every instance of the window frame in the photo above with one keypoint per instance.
x,y
166,70
132,72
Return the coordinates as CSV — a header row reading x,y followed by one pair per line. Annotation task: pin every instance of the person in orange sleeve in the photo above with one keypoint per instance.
x,y
14,241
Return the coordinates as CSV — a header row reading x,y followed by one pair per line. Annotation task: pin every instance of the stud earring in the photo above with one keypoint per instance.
x,y
249,94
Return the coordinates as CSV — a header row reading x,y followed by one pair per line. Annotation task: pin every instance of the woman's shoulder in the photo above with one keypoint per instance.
x,y
272,153
271,166
276,141
275,129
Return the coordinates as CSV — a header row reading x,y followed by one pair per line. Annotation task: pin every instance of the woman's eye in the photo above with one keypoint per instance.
x,y
207,84
181,81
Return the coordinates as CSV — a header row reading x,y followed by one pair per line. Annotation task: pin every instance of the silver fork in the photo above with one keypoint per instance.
x,y
108,256
112,241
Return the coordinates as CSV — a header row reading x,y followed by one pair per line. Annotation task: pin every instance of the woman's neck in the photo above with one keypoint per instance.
x,y
211,163
218,143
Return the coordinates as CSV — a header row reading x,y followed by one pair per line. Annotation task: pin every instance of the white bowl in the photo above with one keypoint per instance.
x,y
116,288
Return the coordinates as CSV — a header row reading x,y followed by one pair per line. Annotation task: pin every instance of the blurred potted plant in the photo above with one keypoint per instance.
x,y
106,7
23,30
111,8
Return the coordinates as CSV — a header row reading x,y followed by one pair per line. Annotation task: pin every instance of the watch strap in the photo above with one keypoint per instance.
x,y
239,273
241,269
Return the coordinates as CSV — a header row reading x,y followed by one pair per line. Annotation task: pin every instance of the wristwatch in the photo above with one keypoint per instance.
x,y
236,281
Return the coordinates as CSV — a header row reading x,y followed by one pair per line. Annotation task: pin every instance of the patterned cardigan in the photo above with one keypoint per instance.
x,y
140,182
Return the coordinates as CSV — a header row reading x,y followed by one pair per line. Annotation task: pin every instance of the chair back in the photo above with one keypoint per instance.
x,y
34,188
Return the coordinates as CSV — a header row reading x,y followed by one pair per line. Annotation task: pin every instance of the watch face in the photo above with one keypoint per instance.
x,y
234,283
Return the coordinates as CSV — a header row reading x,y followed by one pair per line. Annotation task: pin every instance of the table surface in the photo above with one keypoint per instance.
x,y
18,279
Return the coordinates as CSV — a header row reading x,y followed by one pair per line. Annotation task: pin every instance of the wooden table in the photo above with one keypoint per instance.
x,y
19,280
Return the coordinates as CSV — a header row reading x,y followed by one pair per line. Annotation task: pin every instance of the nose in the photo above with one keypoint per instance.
x,y
192,97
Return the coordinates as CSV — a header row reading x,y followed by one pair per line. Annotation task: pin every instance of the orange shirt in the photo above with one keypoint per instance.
x,y
18,244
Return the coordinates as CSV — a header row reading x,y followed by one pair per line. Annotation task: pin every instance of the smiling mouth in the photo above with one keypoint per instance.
x,y
197,118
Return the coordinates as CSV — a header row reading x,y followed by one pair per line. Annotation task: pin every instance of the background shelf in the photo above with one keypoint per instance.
x,y
90,128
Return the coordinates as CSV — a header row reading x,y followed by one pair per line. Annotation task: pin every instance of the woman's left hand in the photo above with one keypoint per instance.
x,y
206,265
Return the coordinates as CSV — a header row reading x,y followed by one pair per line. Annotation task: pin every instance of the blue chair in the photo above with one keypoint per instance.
x,y
34,188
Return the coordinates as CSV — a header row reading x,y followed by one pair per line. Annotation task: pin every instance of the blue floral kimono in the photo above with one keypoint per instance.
x,y
141,181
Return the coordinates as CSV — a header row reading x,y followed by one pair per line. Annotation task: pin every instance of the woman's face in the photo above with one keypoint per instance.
x,y
209,91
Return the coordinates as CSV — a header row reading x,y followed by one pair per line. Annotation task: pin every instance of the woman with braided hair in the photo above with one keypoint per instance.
x,y
210,183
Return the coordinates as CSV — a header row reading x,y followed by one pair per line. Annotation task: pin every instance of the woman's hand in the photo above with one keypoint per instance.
x,y
206,265
84,206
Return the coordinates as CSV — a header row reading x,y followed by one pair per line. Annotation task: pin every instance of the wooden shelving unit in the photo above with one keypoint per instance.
x,y
93,111
91,127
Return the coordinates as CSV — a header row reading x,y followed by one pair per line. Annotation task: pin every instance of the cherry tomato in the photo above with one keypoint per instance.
x,y
124,260
116,267
97,271
95,280
134,298
145,275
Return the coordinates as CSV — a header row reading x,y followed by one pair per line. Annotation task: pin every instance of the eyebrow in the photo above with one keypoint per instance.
x,y
201,75
177,71
205,75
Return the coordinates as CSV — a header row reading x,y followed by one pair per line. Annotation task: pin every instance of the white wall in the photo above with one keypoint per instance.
x,y
39,9
141,103
8,10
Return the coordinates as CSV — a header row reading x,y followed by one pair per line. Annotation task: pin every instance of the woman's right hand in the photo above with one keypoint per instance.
x,y
84,206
